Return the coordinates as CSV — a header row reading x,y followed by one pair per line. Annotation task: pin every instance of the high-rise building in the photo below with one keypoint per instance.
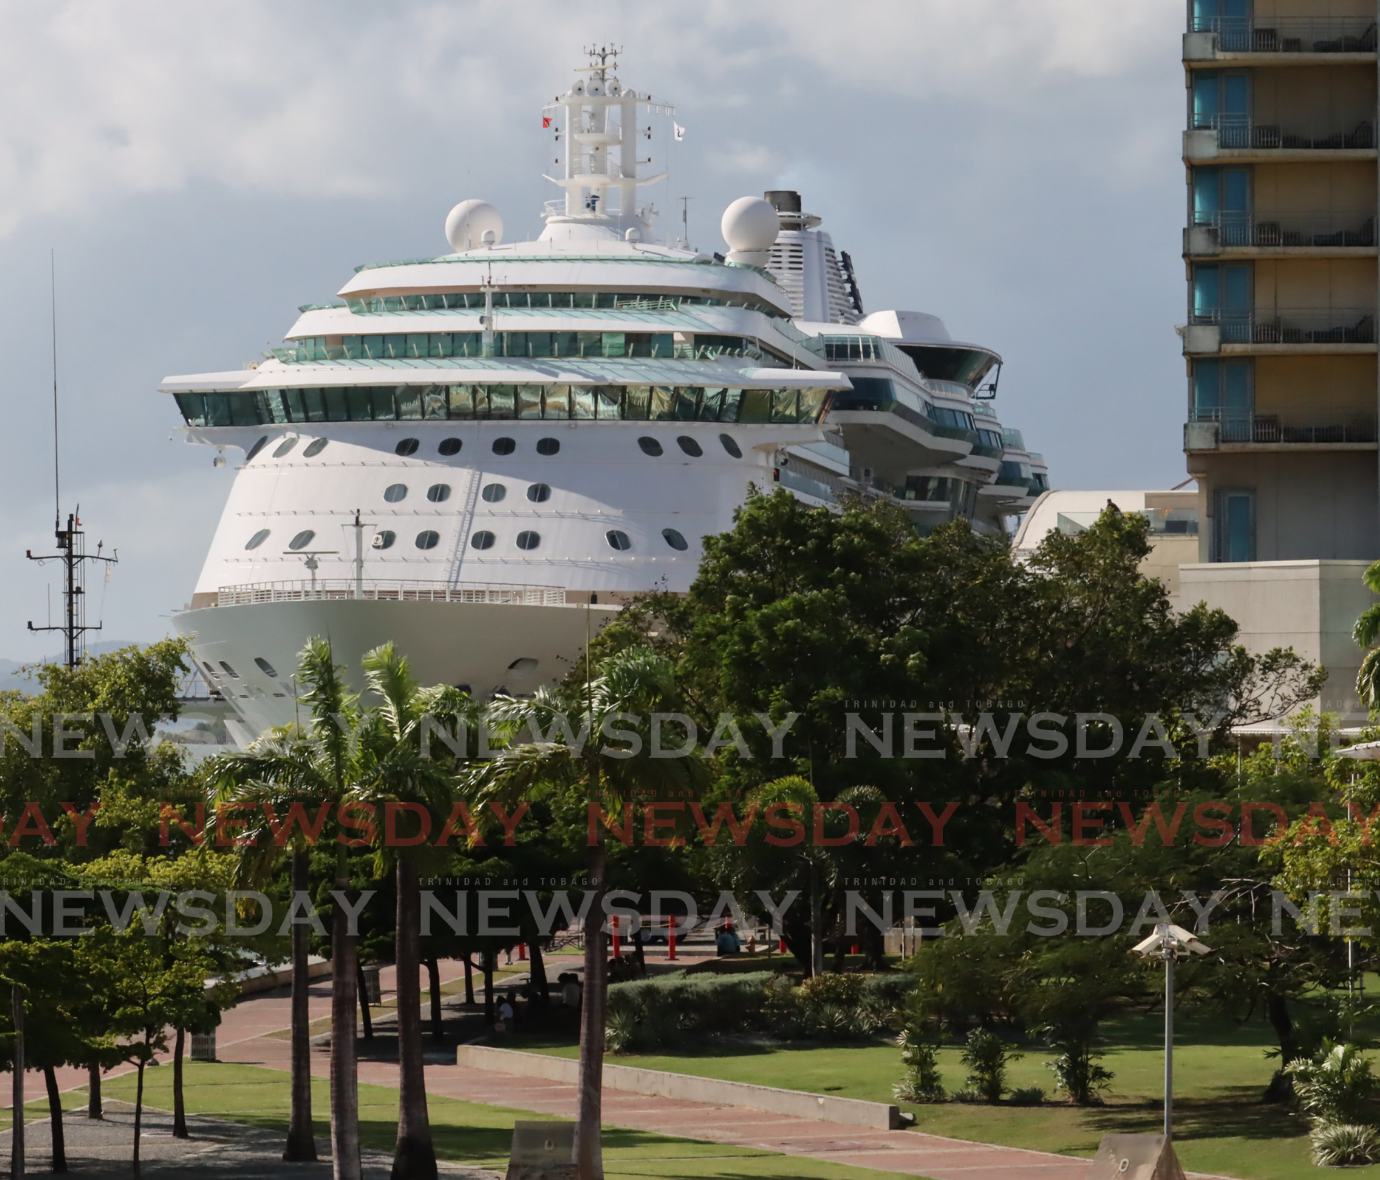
x,y
1280,338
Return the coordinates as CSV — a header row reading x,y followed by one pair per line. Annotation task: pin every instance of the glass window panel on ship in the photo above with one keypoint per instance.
x,y
395,403
555,301
523,345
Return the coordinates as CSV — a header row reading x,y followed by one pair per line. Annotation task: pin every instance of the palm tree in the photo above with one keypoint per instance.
x,y
315,762
1366,633
398,769
588,763
278,774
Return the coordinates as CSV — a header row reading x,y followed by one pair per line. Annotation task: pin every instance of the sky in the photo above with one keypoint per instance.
x,y
195,172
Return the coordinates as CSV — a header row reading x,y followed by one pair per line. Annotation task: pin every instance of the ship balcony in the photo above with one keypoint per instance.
x,y
813,490
1345,428
1243,139
1260,235
1280,40
1269,331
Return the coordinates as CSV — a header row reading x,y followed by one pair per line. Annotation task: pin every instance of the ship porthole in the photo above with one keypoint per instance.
x,y
428,539
395,492
649,446
257,539
449,446
731,445
548,446
302,539
482,540
284,447
539,493
528,540
407,446
618,540
315,447
689,446
383,539
256,448
494,492
438,492
265,667
504,446
674,539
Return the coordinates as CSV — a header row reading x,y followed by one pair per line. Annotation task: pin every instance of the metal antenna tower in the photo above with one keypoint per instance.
x,y
71,541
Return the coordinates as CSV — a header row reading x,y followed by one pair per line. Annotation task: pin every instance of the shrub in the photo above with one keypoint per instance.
x,y
918,1055
1076,1070
649,1014
1335,1086
987,1056
1337,1145
1027,1096
967,1096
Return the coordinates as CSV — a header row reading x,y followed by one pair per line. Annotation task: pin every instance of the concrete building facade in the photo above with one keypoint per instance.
x,y
1280,249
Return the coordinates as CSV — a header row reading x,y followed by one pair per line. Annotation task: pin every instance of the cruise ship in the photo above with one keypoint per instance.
x,y
481,456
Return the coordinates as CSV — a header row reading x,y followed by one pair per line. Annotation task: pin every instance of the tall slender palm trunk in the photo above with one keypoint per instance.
x,y
589,1152
345,1161
301,1145
414,1158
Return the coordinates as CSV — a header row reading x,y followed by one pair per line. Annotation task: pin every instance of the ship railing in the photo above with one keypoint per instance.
x,y
329,589
1290,34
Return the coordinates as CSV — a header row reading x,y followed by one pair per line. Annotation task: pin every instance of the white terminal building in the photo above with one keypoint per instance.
x,y
482,455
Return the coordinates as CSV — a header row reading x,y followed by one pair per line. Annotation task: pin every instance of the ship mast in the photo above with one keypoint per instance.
x,y
71,541
600,154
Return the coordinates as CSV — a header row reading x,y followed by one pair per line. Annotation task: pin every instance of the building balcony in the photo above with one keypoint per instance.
x,y
1299,40
1245,139
1268,330
1341,427
1257,234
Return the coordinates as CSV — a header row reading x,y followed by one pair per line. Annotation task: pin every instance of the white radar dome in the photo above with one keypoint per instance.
x,y
468,224
750,226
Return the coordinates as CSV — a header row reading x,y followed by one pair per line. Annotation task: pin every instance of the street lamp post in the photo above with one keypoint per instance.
x,y
1169,942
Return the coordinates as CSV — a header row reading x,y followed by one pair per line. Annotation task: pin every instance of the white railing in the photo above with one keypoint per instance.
x,y
340,588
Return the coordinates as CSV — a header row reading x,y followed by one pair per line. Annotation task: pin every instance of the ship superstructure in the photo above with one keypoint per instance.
x,y
480,456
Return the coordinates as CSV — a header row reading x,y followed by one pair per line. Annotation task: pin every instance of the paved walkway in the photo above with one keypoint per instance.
x,y
244,1037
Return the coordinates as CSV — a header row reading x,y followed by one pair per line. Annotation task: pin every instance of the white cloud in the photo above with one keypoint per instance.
x,y
100,99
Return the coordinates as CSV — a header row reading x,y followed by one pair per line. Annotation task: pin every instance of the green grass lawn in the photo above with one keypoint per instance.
x,y
464,1132
1220,1072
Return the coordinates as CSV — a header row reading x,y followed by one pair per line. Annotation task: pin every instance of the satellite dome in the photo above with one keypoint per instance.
x,y
469,221
750,223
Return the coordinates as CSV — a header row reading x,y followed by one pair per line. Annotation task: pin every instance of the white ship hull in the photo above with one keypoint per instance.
x,y
486,646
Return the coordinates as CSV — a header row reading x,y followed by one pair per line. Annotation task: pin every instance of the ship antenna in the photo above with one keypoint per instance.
x,y
71,543
52,294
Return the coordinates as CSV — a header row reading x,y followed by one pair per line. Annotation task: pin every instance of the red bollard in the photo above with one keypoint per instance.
x,y
854,949
617,942
522,952
671,938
